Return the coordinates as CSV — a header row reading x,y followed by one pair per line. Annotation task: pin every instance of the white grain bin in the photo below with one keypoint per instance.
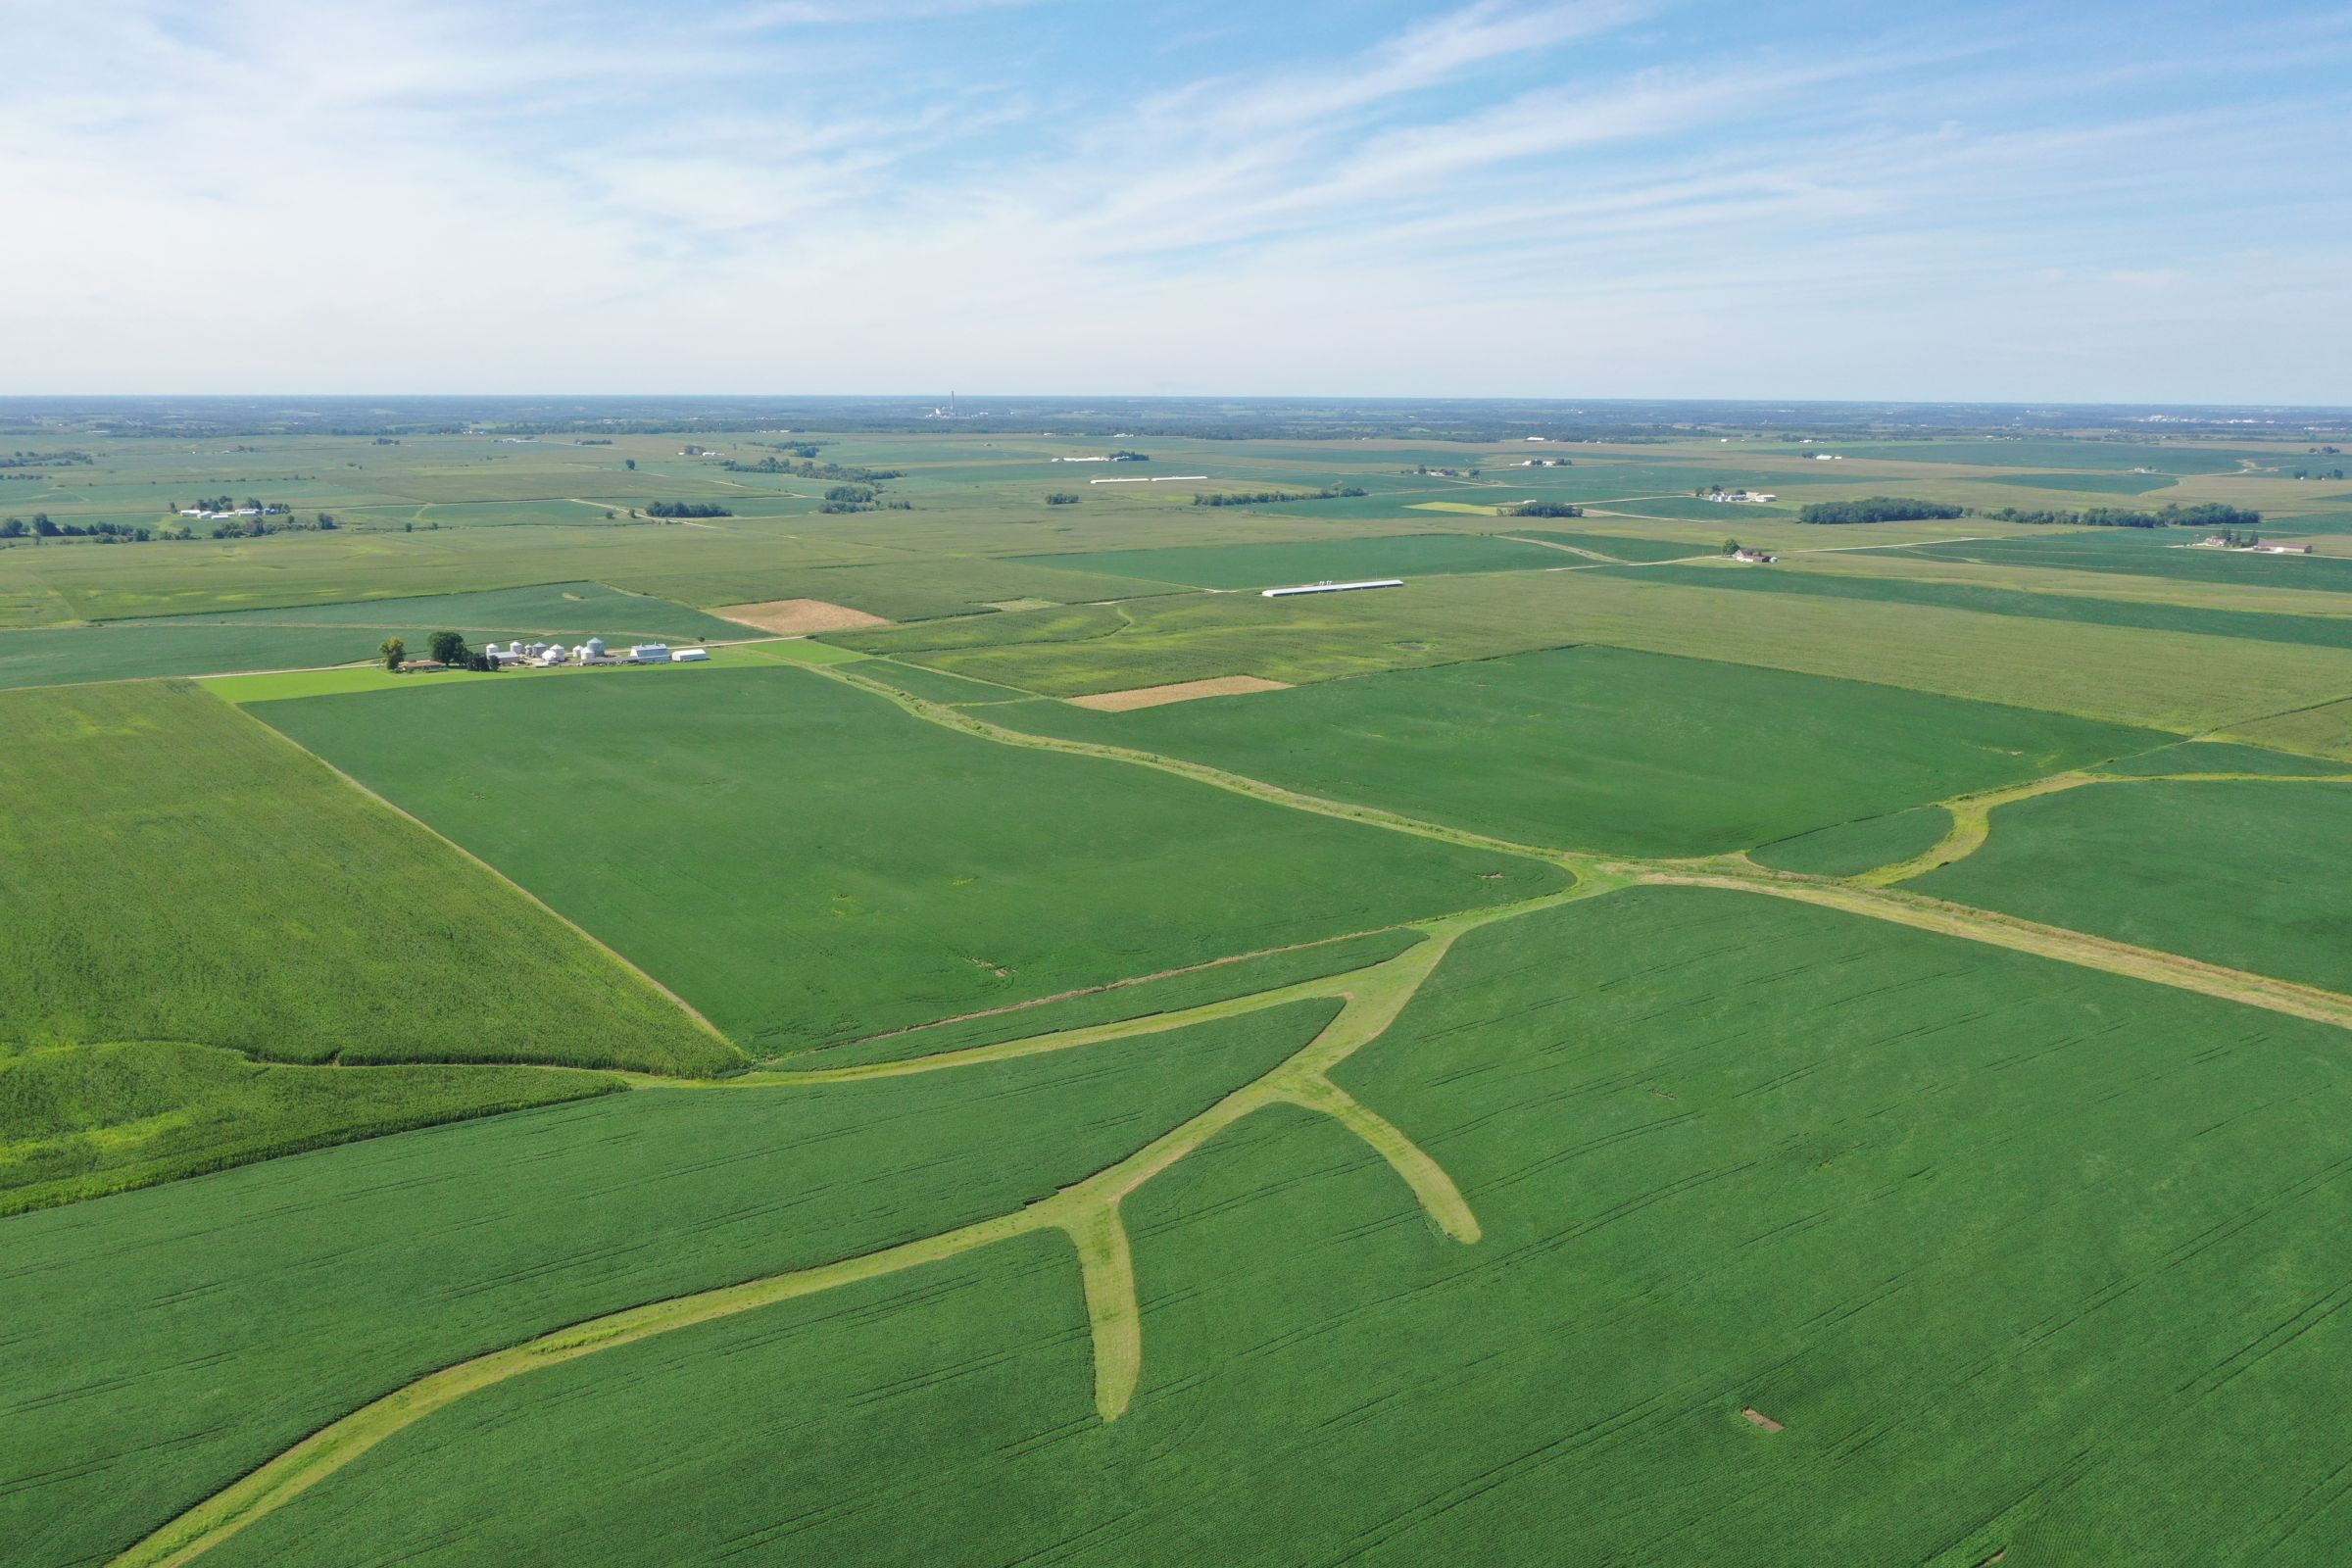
x,y
595,648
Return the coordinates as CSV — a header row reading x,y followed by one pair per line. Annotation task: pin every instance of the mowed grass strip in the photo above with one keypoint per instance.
x,y
1602,748
808,863
2246,873
162,1344
171,870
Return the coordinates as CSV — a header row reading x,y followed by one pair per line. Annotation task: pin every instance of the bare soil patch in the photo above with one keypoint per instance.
x,y
1762,1420
794,618
1183,691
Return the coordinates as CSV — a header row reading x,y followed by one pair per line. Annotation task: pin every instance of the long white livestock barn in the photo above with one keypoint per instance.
x,y
1331,587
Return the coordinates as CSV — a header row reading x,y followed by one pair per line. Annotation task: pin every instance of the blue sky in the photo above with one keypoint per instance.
x,y
1516,198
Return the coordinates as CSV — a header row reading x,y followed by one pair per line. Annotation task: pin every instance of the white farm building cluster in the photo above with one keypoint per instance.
x,y
547,656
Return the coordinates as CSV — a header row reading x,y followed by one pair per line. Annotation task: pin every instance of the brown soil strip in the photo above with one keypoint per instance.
x,y
1183,691
1762,1420
795,617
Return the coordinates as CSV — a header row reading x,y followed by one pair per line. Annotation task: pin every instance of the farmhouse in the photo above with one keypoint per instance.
x,y
1754,558
1331,587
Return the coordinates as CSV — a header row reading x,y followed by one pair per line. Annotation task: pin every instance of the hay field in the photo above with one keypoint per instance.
x,y
808,864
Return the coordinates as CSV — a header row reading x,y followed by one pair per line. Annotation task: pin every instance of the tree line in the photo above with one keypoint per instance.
x,y
2204,515
686,509
1259,498
1877,508
1544,508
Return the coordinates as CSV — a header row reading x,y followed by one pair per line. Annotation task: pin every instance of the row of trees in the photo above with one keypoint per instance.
x,y
44,459
811,470
686,509
44,527
1259,498
2204,515
1544,508
1877,508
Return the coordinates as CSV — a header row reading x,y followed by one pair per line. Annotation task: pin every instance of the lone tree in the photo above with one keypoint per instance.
x,y
394,653
447,648
1731,547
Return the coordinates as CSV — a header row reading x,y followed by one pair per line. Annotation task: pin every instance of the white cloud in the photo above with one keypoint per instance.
x,y
1504,198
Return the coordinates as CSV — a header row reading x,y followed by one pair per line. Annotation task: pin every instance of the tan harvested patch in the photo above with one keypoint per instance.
x,y
794,618
1762,1420
1183,691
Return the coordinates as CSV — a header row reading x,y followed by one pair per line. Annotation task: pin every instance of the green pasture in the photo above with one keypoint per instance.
x,y
1605,750
806,863
2236,872
162,1343
171,870
1937,1211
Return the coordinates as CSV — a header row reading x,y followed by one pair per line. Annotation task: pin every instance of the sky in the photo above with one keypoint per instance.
x,y
2077,202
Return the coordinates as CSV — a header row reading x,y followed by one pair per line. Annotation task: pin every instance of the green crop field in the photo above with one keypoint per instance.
x,y
1846,849
1599,1054
2219,870
806,864
314,1284
2150,552
2312,631
188,898
1599,749
2096,671
1275,565
1694,1134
